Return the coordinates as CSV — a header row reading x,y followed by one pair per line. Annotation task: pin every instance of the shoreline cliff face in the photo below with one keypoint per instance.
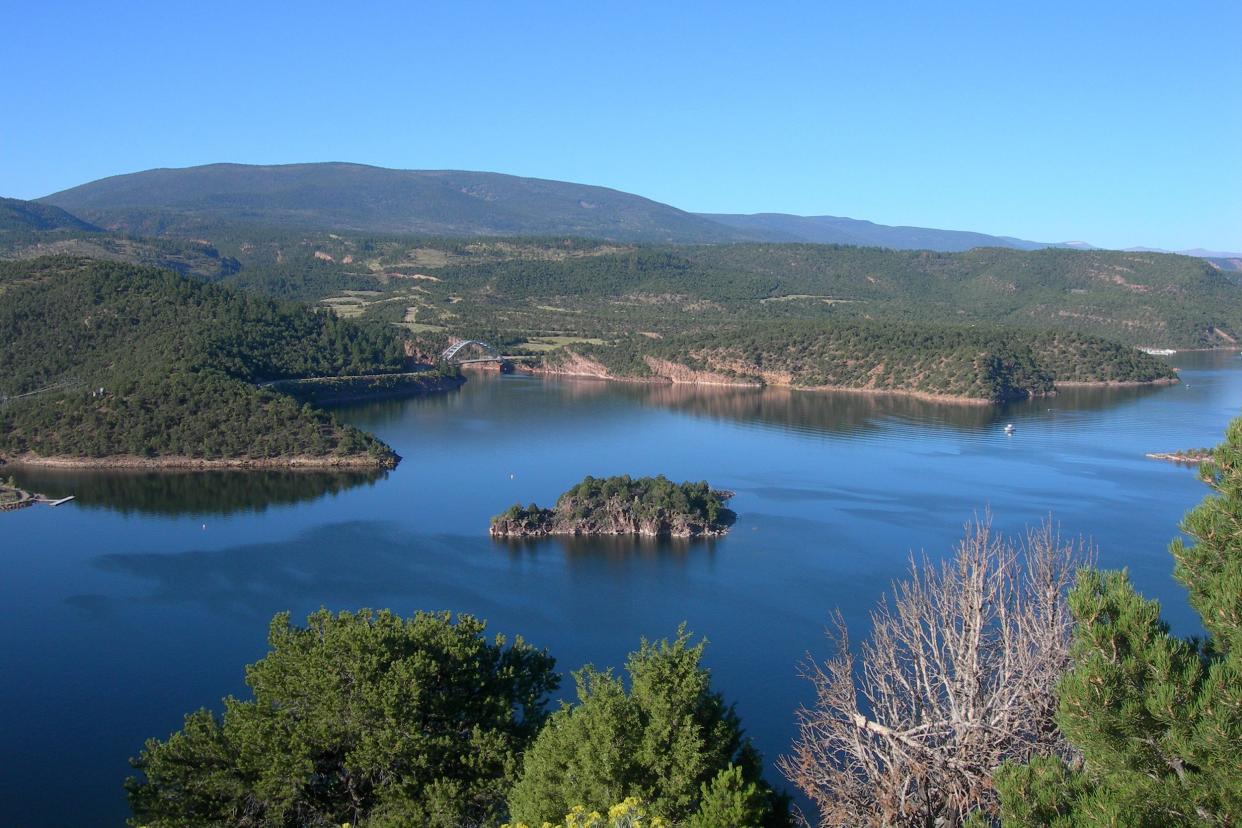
x,y
650,507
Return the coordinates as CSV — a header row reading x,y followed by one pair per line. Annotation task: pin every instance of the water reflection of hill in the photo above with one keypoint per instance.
x,y
189,492
849,412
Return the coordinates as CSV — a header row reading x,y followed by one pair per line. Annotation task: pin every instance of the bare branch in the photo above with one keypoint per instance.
x,y
956,677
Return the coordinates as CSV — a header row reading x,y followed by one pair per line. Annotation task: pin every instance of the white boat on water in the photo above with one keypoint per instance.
x,y
1009,429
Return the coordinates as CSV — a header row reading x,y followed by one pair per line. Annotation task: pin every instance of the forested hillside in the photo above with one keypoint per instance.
x,y
1137,298
101,359
986,365
19,215
555,285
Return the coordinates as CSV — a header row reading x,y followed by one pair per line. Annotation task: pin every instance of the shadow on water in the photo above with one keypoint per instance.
x,y
352,563
359,563
189,492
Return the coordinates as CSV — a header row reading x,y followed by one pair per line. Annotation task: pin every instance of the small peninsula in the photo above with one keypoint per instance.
x,y
653,506
1189,457
12,497
111,365
982,366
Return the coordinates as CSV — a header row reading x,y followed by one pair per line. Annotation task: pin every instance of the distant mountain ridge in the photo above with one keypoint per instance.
x,y
839,230
360,198
337,196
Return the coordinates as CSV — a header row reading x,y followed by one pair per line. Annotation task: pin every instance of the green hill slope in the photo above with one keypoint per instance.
x,y
1144,299
21,216
146,363
337,196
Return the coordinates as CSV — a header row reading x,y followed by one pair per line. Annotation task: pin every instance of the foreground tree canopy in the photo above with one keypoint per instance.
x,y
670,741
381,722
362,718
1158,719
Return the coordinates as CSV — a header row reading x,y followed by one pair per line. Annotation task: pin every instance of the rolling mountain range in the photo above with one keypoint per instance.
x,y
359,198
837,230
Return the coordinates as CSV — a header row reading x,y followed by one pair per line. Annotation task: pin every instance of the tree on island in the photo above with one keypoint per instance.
x,y
362,718
624,505
1157,718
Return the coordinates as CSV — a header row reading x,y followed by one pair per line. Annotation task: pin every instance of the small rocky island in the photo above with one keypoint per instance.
x,y
622,505
1190,457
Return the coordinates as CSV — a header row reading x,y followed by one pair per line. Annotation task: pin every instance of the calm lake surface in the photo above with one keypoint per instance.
x,y
145,598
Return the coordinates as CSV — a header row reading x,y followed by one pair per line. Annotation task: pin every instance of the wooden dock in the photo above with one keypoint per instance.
x,y
27,499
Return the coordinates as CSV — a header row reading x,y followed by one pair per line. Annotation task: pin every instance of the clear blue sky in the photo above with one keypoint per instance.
x,y
1117,123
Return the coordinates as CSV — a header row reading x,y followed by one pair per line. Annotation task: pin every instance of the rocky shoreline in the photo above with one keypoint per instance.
x,y
15,499
1192,457
654,529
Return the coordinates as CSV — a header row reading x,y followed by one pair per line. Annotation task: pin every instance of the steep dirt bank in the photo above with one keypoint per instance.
x,y
574,365
677,373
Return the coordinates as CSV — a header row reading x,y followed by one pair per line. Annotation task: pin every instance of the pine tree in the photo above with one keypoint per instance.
x,y
1158,719
671,741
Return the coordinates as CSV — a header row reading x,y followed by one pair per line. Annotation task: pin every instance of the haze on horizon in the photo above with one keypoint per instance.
x,y
1114,124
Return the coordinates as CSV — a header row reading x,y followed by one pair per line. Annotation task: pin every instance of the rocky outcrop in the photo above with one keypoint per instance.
x,y
615,521
680,374
573,365
1190,457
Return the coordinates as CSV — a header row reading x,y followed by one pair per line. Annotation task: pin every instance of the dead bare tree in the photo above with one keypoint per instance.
x,y
957,677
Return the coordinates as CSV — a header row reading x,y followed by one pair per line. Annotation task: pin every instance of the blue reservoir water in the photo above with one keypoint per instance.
x,y
144,599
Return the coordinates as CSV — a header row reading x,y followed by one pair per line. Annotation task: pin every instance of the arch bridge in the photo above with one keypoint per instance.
x,y
489,354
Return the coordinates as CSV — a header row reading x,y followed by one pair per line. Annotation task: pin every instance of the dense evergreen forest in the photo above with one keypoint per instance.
x,y
102,359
